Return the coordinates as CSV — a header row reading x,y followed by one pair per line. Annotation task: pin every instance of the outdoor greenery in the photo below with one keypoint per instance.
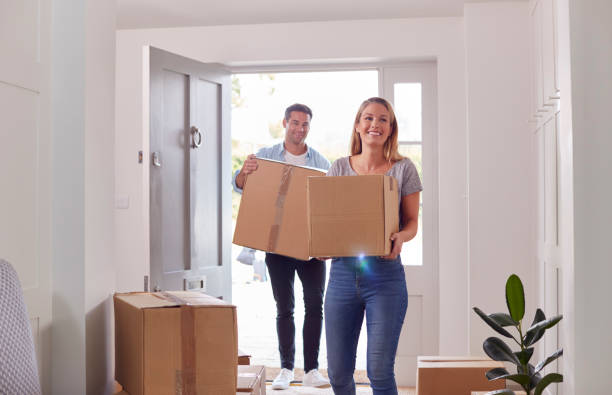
x,y
527,375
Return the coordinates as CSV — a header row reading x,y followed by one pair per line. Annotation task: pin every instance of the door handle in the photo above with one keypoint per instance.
x,y
156,161
196,137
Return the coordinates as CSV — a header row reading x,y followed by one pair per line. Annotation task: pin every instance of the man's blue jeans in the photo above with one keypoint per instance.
x,y
376,287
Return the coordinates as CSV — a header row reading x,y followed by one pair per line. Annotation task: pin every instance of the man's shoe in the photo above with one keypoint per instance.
x,y
282,381
314,378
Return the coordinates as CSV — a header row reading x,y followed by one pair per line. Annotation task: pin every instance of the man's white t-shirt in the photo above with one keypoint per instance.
x,y
297,160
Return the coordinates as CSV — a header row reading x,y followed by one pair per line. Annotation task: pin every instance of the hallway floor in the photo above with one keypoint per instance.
x,y
297,389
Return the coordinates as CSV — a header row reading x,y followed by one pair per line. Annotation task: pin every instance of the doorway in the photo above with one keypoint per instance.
x,y
258,100
258,104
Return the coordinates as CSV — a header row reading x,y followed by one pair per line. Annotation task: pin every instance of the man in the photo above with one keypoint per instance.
x,y
282,269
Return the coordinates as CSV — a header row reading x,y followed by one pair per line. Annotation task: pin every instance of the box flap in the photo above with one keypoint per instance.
x,y
460,364
145,300
142,300
195,299
391,196
439,358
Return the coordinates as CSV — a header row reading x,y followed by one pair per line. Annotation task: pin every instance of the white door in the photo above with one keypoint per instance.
x,y
549,243
547,118
25,161
412,90
189,142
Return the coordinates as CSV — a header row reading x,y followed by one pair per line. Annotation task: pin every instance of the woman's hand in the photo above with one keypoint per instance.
x,y
397,240
410,214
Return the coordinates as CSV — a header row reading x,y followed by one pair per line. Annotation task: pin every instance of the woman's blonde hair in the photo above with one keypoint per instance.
x,y
390,150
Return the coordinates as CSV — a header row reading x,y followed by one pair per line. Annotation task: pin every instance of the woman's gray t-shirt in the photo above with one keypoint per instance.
x,y
403,171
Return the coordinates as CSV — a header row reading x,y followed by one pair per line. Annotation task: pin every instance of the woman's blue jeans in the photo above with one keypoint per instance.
x,y
376,287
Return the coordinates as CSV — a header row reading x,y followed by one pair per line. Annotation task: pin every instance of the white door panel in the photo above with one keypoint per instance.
x,y
170,215
549,247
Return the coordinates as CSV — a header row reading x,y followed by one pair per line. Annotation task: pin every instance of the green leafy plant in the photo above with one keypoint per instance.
x,y
527,375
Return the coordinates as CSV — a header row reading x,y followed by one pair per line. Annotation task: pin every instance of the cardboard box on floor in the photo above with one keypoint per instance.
x,y
251,380
455,375
272,215
352,215
243,358
173,342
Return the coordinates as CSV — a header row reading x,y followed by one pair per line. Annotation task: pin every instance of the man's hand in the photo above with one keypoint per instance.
x,y
249,166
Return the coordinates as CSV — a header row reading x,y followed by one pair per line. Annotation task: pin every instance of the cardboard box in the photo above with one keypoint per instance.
x,y
252,380
352,215
243,358
456,375
516,392
175,342
272,215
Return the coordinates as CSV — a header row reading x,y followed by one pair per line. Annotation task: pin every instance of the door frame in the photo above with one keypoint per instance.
x,y
430,151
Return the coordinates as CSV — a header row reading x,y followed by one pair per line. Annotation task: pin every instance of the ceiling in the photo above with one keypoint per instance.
x,y
140,14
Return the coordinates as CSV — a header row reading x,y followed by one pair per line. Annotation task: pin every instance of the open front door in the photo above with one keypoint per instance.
x,y
189,184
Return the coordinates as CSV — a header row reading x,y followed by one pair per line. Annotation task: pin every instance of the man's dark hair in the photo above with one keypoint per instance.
x,y
299,108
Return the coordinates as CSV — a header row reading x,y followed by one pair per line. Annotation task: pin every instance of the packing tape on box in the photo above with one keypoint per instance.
x,y
188,349
185,383
280,203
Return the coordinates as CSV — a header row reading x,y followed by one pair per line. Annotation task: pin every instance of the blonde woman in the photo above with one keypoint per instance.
x,y
371,286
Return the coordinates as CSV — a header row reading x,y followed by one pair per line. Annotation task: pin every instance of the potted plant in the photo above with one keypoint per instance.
x,y
527,375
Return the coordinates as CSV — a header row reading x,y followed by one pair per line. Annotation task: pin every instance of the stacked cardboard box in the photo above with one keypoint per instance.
x,y
456,375
272,215
251,380
175,342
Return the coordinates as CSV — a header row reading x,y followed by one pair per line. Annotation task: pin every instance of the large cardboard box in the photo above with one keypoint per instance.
x,y
352,215
455,375
272,215
252,380
175,342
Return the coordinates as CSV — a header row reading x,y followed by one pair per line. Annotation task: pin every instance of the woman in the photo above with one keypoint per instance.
x,y
380,290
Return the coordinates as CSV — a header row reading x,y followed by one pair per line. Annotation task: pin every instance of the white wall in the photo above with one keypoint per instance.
x,y
501,160
68,271
83,179
590,38
99,193
439,38
566,197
